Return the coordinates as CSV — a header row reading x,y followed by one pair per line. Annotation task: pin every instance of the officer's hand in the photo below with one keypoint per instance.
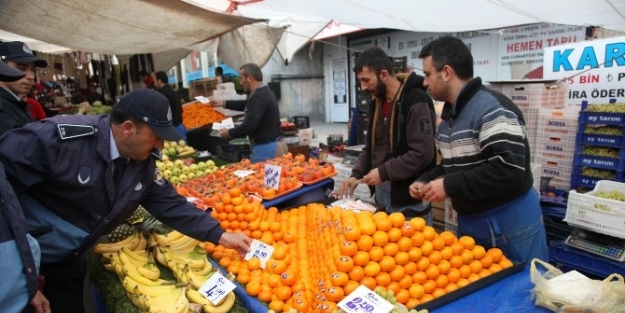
x,y
348,186
237,241
415,190
40,304
216,102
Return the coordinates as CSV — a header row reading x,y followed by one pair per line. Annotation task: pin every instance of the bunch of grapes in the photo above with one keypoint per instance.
x,y
600,151
612,195
599,173
604,130
607,108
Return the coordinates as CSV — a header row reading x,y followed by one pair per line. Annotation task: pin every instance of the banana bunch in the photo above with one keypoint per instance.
x,y
157,298
134,242
226,304
193,268
175,240
186,151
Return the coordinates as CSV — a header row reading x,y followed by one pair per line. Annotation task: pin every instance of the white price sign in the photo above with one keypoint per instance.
x,y
363,300
216,288
202,99
272,175
261,251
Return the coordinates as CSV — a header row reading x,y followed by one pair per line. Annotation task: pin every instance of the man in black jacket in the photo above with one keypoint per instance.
x,y
400,139
161,84
14,112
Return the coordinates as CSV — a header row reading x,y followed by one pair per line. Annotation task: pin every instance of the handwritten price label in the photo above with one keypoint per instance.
x,y
272,175
363,300
216,288
261,251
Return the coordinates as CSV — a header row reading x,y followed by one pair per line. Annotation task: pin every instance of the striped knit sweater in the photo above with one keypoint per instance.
x,y
486,155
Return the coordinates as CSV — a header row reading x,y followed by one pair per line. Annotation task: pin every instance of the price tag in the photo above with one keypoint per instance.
x,y
243,173
216,288
363,300
261,251
202,99
272,175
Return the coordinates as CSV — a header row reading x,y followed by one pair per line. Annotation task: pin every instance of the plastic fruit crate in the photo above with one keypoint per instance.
x,y
233,153
600,215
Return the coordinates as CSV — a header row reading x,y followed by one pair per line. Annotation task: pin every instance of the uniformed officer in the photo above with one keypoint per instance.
x,y
20,252
62,169
14,112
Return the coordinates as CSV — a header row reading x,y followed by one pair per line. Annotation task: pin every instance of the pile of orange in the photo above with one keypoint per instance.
x,y
321,255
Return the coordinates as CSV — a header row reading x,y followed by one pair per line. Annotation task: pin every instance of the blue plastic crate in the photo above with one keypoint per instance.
x,y
578,180
621,151
599,162
602,118
582,261
600,140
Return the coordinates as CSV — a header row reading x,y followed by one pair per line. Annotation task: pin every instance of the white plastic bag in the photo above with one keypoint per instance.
x,y
576,293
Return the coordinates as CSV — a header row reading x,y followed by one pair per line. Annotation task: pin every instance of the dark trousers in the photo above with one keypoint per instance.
x,y
64,285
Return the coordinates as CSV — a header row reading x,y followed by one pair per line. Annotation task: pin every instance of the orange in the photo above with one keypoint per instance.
x,y
397,273
449,237
427,248
265,295
453,275
349,287
465,271
357,273
275,226
418,223
348,248
273,280
407,230
435,257
410,268
441,281
462,282
387,263
451,287
423,264
402,258
444,267
473,277
412,303
419,277
429,232
380,238
447,253
456,261
438,243
416,292
283,292
394,286
487,261
376,253
243,278
276,266
478,252
417,239
405,282
253,263
414,254
382,223
484,272
344,263
253,288
429,286
426,298
404,244
457,248
467,256
383,279
495,268
288,279
351,233
467,242
438,292
339,278
394,234
476,266
367,228
372,269
505,263
397,219
390,249
361,258
432,272
495,253
402,296
279,253
368,282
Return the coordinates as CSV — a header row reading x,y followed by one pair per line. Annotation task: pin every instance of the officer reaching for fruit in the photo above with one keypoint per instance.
x,y
79,177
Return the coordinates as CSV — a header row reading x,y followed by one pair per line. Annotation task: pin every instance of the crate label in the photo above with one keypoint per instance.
x,y
272,175
362,299
216,288
597,162
604,118
261,251
519,98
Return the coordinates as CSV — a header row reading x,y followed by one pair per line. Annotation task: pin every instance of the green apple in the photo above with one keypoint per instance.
x,y
174,180
183,178
208,171
166,145
199,173
210,163
172,151
167,174
176,171
169,165
161,166
191,175
193,167
173,144
179,163
182,143
201,166
165,158
185,169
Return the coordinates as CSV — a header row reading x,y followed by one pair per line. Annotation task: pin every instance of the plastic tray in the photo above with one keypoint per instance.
x,y
319,179
297,186
583,261
600,215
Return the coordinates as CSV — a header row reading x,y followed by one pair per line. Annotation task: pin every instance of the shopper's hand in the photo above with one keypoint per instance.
x,y
223,133
415,190
434,191
216,102
40,303
347,187
372,178
237,241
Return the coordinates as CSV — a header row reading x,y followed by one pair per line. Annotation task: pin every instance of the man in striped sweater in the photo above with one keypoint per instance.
x,y
485,168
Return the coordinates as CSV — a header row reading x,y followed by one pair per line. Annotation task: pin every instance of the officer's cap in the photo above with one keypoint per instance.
x,y
9,74
151,107
20,53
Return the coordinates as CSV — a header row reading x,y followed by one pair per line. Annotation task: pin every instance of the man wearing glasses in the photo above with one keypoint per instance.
x,y
79,177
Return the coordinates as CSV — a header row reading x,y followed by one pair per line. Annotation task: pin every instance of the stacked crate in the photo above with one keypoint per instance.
x,y
530,98
600,149
555,146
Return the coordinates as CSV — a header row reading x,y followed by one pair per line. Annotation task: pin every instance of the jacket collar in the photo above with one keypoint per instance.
x,y
467,92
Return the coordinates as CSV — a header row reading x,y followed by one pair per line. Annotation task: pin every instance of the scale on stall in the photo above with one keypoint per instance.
x,y
599,244
351,155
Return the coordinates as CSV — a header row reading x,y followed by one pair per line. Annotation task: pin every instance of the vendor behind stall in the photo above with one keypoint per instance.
x,y
262,116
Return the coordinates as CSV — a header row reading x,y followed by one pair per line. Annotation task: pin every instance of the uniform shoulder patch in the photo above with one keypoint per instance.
x,y
425,126
71,131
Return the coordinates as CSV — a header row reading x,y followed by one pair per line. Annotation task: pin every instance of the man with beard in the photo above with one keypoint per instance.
x,y
400,141
14,112
485,169
262,116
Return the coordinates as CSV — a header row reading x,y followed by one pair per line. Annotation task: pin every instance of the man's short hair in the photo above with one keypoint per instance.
x,y
253,70
450,51
373,58
162,76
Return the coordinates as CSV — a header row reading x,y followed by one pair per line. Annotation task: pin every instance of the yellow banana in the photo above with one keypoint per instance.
x,y
155,291
196,297
195,264
174,235
224,307
126,260
149,271
142,259
138,300
198,280
143,243
172,303
184,245
131,242
132,273
208,267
